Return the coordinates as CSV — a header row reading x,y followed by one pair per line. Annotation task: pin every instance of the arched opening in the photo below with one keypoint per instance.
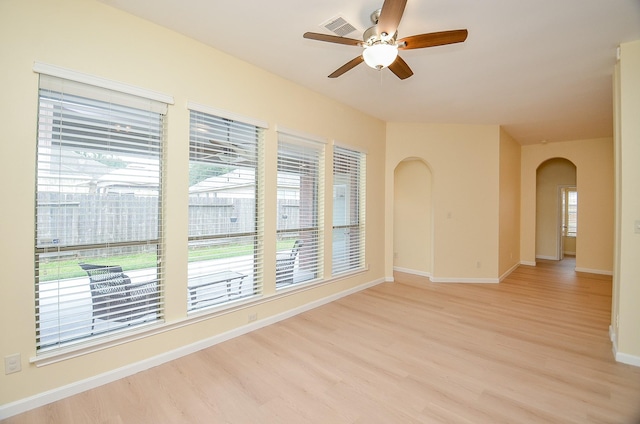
x,y
412,218
556,209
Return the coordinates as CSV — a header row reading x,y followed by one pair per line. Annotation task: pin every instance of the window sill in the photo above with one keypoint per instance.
x,y
70,352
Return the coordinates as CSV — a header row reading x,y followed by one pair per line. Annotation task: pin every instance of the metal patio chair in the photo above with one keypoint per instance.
x,y
285,263
115,297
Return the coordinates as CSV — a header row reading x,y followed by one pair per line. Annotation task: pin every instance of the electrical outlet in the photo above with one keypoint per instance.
x,y
12,363
253,317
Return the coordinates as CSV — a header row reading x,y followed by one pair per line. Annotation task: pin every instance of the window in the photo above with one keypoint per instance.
x,y
569,211
348,210
224,180
299,214
98,212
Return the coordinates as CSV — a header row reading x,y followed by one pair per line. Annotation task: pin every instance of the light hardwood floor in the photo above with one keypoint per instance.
x,y
532,349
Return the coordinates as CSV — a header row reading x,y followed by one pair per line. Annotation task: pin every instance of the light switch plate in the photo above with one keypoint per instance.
x,y
12,363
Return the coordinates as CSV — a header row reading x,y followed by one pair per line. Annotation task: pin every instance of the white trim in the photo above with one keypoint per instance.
x,y
566,253
625,358
297,135
389,280
44,398
57,71
350,272
594,271
198,107
412,271
508,272
115,339
549,258
193,317
528,263
465,280
350,147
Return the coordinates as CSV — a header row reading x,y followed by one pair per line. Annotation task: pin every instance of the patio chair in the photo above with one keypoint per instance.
x,y
285,263
114,297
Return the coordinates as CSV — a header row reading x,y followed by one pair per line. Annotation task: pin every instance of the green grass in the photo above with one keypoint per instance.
x,y
69,268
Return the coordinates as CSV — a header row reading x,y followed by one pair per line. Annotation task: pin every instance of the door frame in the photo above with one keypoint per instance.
x,y
560,240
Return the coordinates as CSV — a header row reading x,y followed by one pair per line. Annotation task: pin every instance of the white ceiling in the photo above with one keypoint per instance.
x,y
540,68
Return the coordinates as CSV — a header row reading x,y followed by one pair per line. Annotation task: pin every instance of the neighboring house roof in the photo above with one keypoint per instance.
x,y
240,180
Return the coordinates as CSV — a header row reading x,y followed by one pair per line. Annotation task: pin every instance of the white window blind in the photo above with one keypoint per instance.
x,y
348,210
299,220
225,244
98,212
569,211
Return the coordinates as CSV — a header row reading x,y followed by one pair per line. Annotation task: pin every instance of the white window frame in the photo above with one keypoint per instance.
x,y
349,209
225,209
85,112
300,218
569,211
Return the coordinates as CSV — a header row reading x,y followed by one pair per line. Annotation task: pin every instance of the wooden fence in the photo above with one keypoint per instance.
x,y
72,219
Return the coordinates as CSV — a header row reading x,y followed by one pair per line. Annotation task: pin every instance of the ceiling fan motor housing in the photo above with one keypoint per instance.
x,y
371,36
375,15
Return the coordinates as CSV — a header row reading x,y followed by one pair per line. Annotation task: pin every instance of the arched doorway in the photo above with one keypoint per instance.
x,y
412,222
556,209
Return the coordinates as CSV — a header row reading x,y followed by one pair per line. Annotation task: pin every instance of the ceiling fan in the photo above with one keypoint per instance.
x,y
381,45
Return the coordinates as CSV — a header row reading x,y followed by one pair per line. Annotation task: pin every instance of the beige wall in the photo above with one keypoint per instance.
x,y
464,162
626,292
551,175
412,222
509,238
92,38
473,169
569,245
594,177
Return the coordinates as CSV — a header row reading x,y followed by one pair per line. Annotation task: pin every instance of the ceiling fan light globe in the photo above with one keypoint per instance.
x,y
380,55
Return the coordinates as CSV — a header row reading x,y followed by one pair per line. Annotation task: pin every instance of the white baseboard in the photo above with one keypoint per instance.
x,y
528,263
628,359
444,280
546,257
624,358
465,280
569,253
509,271
594,271
614,341
44,398
412,271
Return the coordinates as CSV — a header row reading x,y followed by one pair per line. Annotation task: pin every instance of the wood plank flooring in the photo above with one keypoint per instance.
x,y
532,349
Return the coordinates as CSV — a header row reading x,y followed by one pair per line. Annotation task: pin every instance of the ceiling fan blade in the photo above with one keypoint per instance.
x,y
433,39
390,16
400,68
347,66
332,39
